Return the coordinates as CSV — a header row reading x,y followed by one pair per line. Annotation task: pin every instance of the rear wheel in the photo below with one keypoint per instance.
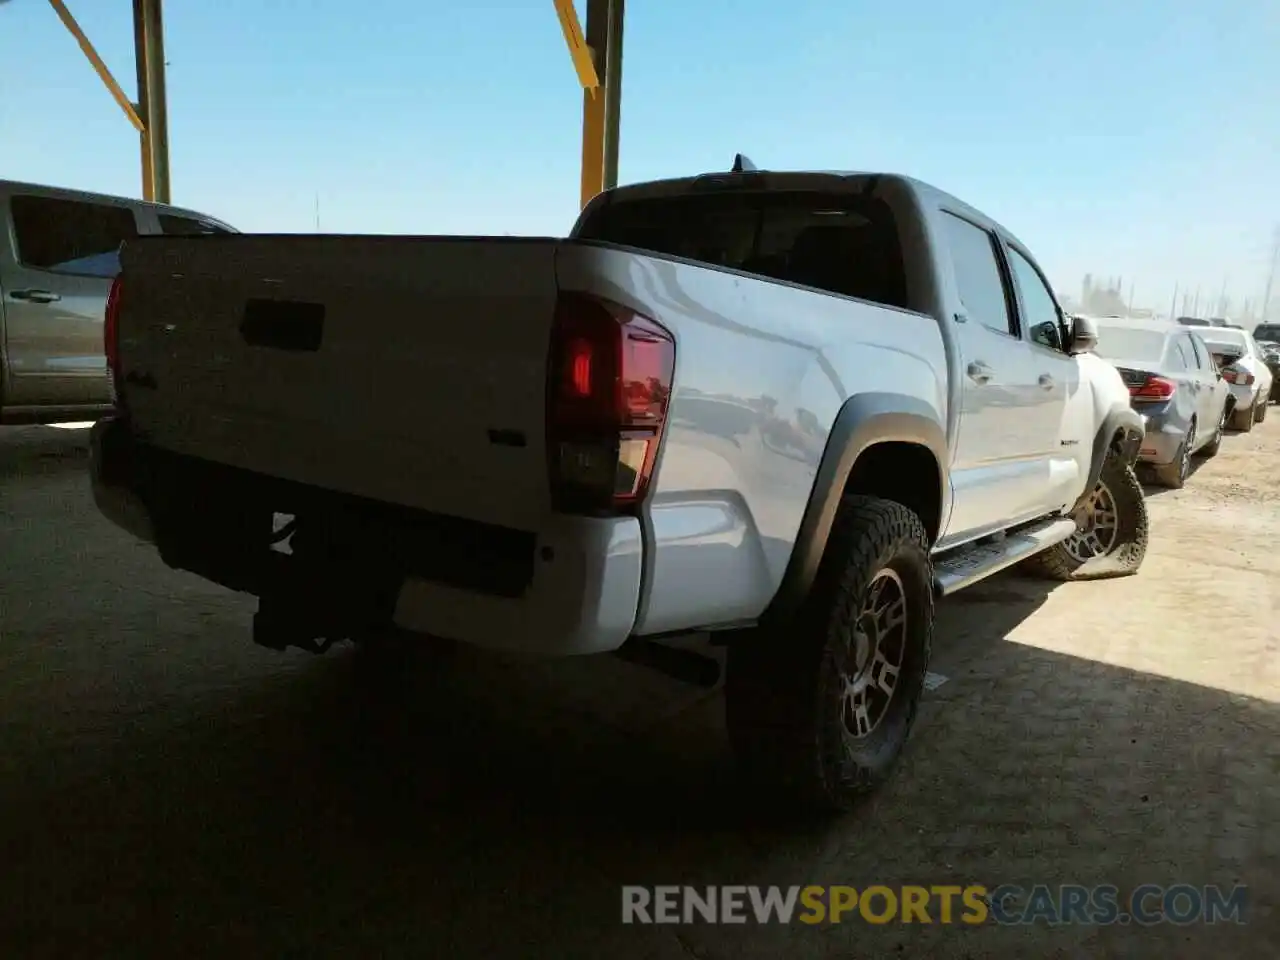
x,y
1243,419
1111,534
819,710
1211,448
1174,475
1261,409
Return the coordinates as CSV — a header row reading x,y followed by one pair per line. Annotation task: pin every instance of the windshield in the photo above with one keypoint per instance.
x,y
1267,331
838,242
1131,343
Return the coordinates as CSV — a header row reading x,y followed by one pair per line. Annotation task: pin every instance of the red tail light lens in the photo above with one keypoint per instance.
x,y
608,387
1241,378
1153,388
111,330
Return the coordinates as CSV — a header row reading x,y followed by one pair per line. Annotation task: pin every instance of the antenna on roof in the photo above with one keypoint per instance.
x,y
742,164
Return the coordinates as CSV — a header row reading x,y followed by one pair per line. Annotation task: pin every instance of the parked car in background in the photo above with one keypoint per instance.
x,y
1245,368
1269,332
1175,384
1271,357
547,464
1194,322
59,251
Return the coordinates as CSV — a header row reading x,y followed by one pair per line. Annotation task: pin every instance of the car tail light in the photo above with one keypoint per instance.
x,y
608,386
1153,388
1241,378
111,327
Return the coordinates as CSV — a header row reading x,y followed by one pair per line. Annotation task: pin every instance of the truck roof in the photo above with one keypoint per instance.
x,y
831,180
88,196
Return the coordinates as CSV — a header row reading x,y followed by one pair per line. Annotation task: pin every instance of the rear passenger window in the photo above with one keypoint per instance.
x,y
1180,356
69,236
1201,353
978,275
843,243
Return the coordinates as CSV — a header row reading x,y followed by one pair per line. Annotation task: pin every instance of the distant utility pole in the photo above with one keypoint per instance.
x,y
317,213
1271,275
1173,304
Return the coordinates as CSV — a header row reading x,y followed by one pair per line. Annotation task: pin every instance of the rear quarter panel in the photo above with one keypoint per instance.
x,y
762,370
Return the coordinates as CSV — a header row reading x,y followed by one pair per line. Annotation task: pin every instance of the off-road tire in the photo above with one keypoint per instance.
x,y
1261,409
783,683
1129,547
1174,476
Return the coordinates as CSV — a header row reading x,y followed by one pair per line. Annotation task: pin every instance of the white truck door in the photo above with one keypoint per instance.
x,y
998,471
1062,414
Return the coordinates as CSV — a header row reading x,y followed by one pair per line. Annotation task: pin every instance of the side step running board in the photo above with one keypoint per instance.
x,y
965,566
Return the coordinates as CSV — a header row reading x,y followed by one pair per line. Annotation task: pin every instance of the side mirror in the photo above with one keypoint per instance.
x,y
1084,335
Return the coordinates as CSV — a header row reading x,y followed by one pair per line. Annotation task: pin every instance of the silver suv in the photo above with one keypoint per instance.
x,y
59,251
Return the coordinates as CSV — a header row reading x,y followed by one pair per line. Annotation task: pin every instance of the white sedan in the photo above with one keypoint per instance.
x,y
1244,367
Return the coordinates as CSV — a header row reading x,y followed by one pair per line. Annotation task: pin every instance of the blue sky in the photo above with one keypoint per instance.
x,y
1132,137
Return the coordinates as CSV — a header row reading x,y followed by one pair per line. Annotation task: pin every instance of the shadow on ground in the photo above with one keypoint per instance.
x,y
334,810
34,451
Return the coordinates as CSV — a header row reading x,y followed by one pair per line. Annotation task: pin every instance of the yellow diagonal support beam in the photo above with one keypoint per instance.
x,y
99,67
579,52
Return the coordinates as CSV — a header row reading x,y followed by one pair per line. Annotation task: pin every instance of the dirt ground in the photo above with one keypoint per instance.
x,y
166,788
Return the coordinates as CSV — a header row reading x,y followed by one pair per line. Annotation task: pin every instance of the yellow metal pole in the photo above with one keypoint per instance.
x,y
140,64
95,61
594,105
613,92
148,38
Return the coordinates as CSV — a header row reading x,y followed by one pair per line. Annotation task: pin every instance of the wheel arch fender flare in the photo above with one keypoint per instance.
x,y
1120,433
863,422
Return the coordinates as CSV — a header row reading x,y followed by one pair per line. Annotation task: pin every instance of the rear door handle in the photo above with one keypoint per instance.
x,y
979,372
1046,381
36,296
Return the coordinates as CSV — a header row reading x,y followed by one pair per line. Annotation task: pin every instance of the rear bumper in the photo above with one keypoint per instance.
x,y
577,590
1160,441
1245,397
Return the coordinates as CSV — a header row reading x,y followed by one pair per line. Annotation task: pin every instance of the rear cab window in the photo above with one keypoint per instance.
x,y
841,243
70,236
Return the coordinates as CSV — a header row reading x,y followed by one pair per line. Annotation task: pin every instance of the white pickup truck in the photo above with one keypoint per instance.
x,y
785,410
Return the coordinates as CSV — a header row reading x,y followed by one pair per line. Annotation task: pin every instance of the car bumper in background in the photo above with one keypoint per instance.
x,y
579,594
1161,439
1245,397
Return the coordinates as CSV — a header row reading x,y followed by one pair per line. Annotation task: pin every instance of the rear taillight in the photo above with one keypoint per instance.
x,y
111,327
1241,378
1153,388
608,386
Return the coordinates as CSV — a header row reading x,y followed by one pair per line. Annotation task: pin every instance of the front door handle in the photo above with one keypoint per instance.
x,y
979,372
36,296
1046,381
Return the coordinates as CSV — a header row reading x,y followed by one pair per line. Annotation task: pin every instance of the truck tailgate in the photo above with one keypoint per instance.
x,y
405,369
